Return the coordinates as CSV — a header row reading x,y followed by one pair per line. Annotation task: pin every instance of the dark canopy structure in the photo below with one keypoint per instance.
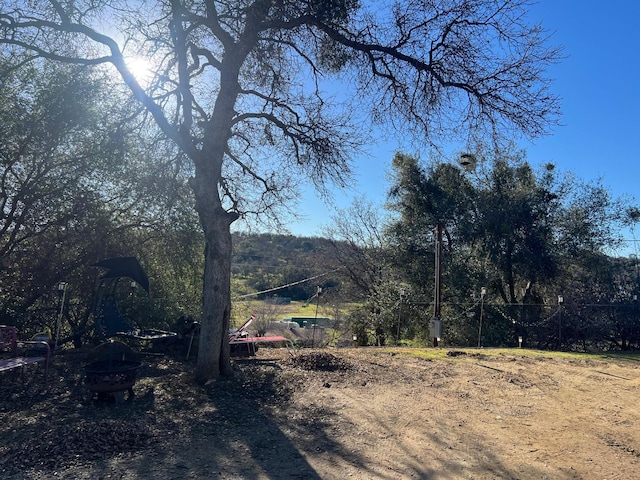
x,y
109,321
124,267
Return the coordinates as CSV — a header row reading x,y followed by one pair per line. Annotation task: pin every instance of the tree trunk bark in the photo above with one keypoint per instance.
x,y
213,348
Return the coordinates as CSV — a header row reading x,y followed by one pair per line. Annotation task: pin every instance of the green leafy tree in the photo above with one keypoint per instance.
x,y
74,191
239,87
425,199
515,227
55,150
527,235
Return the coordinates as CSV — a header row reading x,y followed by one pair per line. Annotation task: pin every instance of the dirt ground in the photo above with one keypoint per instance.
x,y
367,413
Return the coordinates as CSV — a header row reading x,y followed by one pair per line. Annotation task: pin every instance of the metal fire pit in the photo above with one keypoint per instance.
x,y
113,371
112,377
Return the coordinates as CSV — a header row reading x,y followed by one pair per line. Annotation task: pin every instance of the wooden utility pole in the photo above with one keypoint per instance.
x,y
437,293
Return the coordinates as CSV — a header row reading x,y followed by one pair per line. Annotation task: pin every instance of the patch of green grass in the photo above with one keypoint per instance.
x,y
428,353
441,353
243,309
634,356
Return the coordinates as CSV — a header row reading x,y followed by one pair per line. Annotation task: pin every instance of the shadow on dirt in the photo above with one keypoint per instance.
x,y
252,425
251,409
171,429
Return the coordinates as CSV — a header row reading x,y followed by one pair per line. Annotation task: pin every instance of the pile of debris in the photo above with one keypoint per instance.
x,y
320,361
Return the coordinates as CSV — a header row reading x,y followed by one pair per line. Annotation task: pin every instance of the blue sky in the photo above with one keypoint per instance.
x,y
599,84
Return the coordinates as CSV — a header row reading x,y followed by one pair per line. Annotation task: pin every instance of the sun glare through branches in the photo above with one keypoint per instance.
x,y
141,69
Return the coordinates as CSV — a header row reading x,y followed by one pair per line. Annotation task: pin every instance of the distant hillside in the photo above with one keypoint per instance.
x,y
267,261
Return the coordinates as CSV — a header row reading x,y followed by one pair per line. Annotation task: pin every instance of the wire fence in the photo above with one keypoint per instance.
x,y
579,327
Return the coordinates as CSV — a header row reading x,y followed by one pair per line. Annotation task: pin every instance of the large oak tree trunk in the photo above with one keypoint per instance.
x,y
213,349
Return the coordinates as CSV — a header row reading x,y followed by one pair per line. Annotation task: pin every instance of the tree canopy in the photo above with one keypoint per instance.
x,y
74,190
523,233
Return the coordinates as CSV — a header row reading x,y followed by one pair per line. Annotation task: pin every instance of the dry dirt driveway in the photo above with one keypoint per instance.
x,y
331,414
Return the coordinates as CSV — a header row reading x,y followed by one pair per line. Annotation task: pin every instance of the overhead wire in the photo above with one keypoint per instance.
x,y
292,284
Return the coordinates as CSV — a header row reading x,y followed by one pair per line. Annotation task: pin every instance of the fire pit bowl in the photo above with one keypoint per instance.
x,y
112,373
111,376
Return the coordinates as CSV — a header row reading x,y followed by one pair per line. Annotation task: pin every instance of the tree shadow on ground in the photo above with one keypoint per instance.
x,y
230,429
245,426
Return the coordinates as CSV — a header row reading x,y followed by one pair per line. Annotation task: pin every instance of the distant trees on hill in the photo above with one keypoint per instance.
x,y
283,265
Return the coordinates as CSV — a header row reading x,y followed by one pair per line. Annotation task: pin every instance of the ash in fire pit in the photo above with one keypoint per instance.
x,y
112,371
